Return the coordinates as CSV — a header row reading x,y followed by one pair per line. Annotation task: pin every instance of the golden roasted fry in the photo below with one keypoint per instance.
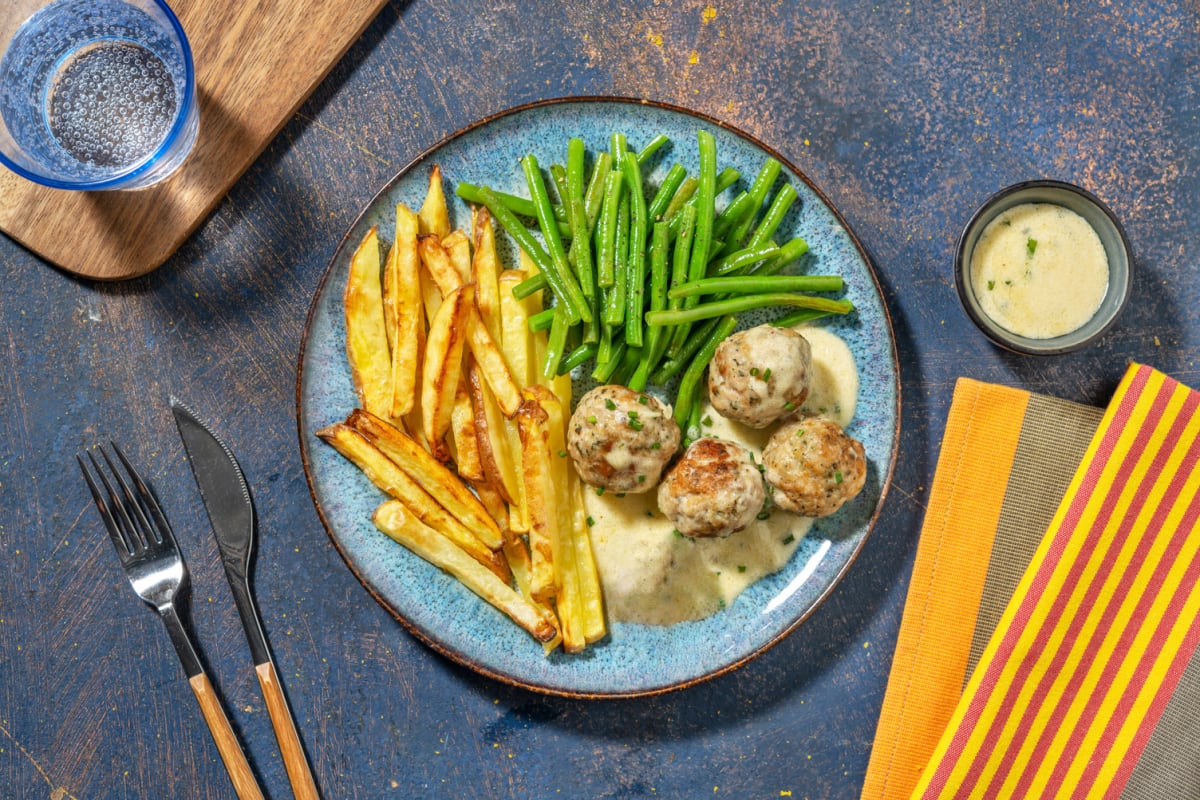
x,y
485,272
494,454
393,519
445,487
492,364
406,312
516,339
434,216
497,506
458,247
436,261
366,331
442,368
464,435
536,475
591,596
387,475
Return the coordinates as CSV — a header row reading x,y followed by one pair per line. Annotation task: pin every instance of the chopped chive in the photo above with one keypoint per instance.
x,y
741,567
1031,245
610,405
767,374
837,476
789,406
643,399
789,539
764,515
562,453
656,446
592,419
591,521
599,491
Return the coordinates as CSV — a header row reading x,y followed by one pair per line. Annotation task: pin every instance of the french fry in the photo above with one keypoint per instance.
x,y
464,435
458,247
495,455
436,261
405,312
540,495
366,331
515,337
434,216
591,596
394,520
442,368
492,364
497,506
443,485
566,571
389,478
485,271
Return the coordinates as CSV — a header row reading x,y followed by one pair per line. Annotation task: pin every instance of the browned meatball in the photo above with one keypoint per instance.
x,y
714,489
620,439
760,375
814,466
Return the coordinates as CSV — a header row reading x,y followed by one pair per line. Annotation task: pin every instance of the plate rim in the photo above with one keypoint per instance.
x,y
474,664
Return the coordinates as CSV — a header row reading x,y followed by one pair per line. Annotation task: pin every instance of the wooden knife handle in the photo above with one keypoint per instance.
x,y
290,748
244,782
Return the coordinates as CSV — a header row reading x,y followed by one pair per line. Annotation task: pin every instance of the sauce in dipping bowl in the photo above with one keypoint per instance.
x,y
1043,267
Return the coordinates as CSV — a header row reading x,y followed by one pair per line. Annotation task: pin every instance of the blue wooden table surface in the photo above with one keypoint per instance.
x,y
906,114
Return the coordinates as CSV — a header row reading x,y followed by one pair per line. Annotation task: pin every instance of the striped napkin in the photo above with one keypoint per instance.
x,y
1054,606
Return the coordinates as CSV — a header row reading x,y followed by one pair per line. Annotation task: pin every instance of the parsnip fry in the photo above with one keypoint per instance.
x,y
539,494
591,596
492,364
393,481
495,455
436,261
393,519
566,573
442,368
407,312
516,340
434,216
485,269
366,331
458,247
445,487
464,435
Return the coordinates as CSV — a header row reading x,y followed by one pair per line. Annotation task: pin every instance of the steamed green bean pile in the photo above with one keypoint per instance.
x,y
646,280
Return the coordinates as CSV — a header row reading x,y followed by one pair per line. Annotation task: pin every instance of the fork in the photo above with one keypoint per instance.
x,y
147,549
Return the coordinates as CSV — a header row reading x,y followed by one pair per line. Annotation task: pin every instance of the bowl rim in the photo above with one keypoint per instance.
x,y
1023,344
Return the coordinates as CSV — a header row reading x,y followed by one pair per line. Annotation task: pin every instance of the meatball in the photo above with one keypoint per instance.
x,y
760,375
620,439
714,489
813,466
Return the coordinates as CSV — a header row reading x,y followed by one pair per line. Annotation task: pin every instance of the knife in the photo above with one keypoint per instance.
x,y
227,500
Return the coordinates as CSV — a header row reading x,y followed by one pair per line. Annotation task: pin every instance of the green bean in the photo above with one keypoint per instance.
x,y
652,147
618,147
679,265
688,384
559,173
739,260
759,189
654,347
581,246
669,369
508,220
796,317
556,342
666,190
732,214
605,368
788,252
570,295
614,307
635,271
685,192
702,241
759,284
531,285
606,229
576,357
692,430
770,221
593,197
629,362
514,203
736,305
541,320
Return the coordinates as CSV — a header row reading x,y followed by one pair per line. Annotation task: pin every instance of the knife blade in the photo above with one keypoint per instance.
x,y
227,500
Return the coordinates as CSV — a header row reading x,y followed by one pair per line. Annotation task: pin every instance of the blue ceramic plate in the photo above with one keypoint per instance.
x,y
635,659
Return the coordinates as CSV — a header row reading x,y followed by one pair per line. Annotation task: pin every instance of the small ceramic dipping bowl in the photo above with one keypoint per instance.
x,y
1098,217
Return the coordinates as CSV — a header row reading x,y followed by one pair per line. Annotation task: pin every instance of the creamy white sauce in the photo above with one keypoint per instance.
x,y
652,575
1039,270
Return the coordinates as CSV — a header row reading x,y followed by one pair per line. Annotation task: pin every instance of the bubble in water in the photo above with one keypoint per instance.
x,y
112,104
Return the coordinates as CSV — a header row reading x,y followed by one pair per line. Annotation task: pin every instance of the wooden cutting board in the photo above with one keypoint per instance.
x,y
256,62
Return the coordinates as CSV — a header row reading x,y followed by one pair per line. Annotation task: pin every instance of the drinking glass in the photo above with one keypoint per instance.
x,y
95,94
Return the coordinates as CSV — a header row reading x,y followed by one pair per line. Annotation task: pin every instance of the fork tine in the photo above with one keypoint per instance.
x,y
106,513
147,502
140,532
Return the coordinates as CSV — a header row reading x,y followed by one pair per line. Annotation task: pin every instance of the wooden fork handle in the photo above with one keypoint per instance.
x,y
290,748
244,782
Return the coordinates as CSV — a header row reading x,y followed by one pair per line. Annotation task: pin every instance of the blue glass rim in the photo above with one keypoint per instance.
x,y
181,119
